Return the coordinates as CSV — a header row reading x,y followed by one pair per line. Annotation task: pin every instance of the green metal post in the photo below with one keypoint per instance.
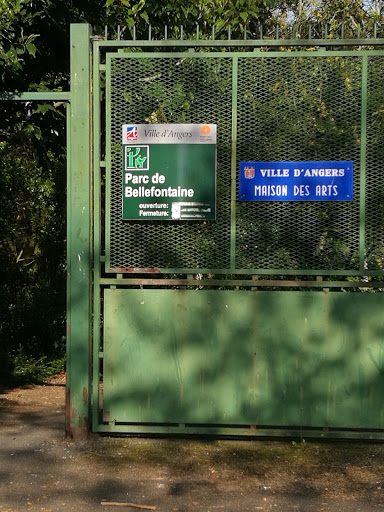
x,y
96,232
363,157
79,236
234,160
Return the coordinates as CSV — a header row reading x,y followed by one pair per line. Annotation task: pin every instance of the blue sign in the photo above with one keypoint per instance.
x,y
296,181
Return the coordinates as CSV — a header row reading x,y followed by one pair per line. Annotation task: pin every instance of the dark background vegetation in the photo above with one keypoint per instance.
x,y
34,56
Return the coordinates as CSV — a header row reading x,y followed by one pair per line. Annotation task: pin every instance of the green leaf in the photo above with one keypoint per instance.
x,y
244,15
44,108
130,22
31,49
11,53
220,24
136,8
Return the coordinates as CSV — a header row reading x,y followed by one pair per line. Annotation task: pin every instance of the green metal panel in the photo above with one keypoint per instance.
x,y
36,96
79,236
310,359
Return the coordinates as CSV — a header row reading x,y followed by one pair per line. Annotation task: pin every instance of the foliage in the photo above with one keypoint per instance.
x,y
34,53
240,16
29,369
32,256
204,14
16,44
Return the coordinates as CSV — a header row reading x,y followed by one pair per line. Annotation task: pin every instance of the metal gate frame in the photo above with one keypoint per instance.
x,y
87,280
233,277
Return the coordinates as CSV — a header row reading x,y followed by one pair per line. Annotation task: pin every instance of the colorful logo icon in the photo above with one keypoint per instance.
x,y
205,129
136,158
249,172
131,133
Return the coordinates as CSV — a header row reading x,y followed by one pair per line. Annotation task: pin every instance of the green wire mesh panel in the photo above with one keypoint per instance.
x,y
375,166
299,108
289,107
170,90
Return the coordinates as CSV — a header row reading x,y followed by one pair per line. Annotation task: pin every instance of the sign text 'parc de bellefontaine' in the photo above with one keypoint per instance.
x,y
169,172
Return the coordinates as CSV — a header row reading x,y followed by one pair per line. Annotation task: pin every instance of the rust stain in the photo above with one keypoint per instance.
x,y
85,395
80,432
71,415
68,328
134,270
107,415
150,270
67,412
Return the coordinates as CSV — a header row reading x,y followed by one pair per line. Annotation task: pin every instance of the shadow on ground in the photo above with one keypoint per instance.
x,y
41,470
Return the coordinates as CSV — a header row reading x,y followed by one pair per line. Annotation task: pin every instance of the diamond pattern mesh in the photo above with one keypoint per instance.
x,y
375,166
289,108
171,90
299,108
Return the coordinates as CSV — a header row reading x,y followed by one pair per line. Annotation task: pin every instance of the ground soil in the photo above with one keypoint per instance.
x,y
41,470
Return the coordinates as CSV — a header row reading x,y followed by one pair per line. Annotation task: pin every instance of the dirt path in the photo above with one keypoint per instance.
x,y
42,471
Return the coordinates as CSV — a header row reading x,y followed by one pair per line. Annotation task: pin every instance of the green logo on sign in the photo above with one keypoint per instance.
x,y
136,158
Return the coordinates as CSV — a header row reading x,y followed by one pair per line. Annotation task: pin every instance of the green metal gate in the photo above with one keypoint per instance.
x,y
268,319
265,321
